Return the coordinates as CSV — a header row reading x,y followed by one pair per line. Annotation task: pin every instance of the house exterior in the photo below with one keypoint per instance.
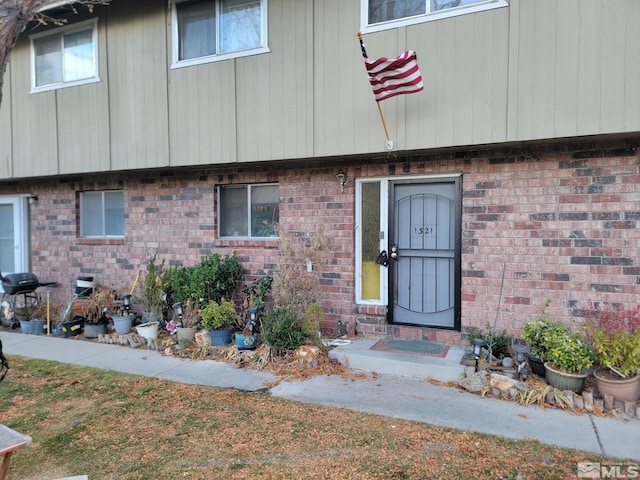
x,y
188,127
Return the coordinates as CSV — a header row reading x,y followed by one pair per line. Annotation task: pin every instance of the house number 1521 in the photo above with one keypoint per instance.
x,y
424,230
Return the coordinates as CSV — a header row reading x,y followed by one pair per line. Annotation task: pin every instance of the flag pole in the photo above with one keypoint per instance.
x,y
384,124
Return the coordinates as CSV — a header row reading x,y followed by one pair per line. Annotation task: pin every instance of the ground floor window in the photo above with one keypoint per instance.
x,y
251,211
102,214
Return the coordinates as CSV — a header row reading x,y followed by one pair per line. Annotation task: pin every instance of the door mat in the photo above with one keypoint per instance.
x,y
421,347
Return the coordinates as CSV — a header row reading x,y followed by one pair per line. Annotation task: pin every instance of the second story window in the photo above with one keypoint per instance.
x,y
209,30
385,14
64,57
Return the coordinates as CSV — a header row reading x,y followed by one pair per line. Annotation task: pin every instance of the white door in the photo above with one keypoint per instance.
x,y
14,238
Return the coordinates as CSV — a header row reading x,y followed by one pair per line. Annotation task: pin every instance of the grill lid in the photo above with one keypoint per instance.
x,y
19,279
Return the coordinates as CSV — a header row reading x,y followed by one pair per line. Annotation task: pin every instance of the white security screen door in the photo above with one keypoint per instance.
x,y
13,235
424,252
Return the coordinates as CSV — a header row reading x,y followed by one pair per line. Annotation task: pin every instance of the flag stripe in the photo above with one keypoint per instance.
x,y
391,77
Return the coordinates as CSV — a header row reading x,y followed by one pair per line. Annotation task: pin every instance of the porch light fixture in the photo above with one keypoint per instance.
x,y
342,180
33,199
478,345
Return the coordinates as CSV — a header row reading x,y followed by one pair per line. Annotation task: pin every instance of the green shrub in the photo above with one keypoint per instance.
x,y
542,335
212,279
283,330
218,315
570,352
615,338
499,341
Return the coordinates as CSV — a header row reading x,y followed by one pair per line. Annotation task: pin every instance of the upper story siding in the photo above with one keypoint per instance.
x,y
535,70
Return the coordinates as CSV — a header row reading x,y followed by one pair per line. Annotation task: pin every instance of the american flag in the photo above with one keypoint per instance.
x,y
393,77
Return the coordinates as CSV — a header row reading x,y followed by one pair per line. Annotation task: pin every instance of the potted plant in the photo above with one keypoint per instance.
x,y
539,336
219,318
615,338
154,298
185,326
568,357
122,320
95,310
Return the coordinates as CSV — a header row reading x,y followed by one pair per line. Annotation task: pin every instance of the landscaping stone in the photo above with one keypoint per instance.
x,y
502,383
587,398
475,383
629,408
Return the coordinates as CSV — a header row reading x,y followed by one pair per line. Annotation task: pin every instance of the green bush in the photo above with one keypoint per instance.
x,y
283,330
499,341
213,279
542,335
570,352
218,316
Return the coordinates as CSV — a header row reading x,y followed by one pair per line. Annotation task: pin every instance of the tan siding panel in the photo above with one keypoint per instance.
x,y
573,63
564,70
346,118
589,66
83,128
6,155
202,114
137,56
612,79
631,100
35,145
275,90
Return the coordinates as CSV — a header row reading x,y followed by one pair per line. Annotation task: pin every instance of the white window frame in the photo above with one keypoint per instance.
x,y
81,227
249,186
427,17
175,51
80,26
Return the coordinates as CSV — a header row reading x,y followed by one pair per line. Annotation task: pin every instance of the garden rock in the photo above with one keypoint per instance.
x,y
475,383
502,383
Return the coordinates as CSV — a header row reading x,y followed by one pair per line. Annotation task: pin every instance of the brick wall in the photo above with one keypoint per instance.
x,y
562,225
561,221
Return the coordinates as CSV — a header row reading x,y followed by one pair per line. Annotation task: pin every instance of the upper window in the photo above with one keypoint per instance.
x,y
249,210
385,14
210,30
64,57
102,214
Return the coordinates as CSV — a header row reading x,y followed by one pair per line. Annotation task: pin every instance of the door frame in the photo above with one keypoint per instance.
x,y
385,226
20,205
457,281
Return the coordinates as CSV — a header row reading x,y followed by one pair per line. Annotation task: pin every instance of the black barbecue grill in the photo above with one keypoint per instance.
x,y
25,284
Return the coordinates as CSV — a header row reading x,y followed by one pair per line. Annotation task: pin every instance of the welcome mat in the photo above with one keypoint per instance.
x,y
421,347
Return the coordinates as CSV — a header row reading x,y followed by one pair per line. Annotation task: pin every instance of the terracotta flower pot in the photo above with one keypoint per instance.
x,y
621,388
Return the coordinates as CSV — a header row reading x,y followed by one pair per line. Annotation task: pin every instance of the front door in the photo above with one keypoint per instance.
x,y
13,235
425,254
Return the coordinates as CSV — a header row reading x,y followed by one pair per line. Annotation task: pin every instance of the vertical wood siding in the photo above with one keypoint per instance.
x,y
535,70
6,154
135,71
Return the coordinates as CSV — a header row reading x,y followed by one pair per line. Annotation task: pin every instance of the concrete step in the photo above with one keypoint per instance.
x,y
357,354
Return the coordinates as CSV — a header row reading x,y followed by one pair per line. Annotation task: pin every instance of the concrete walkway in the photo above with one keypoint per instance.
x,y
400,390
